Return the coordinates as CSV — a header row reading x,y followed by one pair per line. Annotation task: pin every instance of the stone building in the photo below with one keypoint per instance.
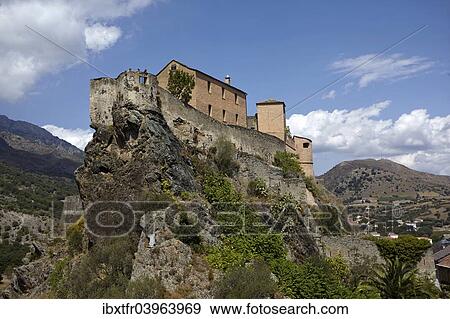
x,y
271,119
219,99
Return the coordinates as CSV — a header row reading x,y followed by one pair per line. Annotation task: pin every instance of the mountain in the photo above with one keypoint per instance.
x,y
382,179
34,149
36,168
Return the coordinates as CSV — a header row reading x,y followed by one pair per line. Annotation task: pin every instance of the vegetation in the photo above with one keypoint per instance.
x,y
74,237
315,278
258,188
288,162
218,189
407,249
145,288
33,193
247,282
102,273
181,84
225,157
237,250
11,255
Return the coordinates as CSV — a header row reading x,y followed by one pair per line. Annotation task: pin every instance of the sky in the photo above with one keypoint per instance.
x,y
372,77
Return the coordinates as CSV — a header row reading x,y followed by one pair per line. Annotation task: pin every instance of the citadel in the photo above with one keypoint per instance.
x,y
216,109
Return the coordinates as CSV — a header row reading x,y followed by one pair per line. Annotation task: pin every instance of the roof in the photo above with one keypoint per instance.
x,y
445,262
271,101
441,254
302,137
196,70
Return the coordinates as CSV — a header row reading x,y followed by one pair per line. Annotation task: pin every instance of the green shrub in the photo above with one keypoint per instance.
x,y
407,249
225,157
11,256
251,282
235,251
218,189
104,272
145,288
289,163
181,84
258,188
74,237
314,279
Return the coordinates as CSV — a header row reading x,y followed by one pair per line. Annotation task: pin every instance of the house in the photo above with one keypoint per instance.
x,y
442,264
217,98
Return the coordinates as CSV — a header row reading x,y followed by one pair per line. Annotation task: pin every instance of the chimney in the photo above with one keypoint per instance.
x,y
228,80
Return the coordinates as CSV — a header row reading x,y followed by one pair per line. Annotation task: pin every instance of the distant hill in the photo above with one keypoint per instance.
x,y
36,168
33,149
28,137
382,179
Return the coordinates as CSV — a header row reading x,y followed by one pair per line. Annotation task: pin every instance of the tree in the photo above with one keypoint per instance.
x,y
408,249
394,279
181,85
225,157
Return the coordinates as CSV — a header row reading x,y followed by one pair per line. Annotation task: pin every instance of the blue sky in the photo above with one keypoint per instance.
x,y
284,50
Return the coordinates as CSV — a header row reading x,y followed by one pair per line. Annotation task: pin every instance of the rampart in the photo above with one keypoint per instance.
x,y
200,130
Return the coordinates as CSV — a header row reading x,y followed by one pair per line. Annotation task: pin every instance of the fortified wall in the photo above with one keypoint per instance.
x,y
188,124
198,129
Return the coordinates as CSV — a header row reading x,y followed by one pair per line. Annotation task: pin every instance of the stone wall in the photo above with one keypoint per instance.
x,y
198,129
346,246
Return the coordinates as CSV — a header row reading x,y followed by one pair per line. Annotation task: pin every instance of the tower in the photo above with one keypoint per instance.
x,y
272,118
304,150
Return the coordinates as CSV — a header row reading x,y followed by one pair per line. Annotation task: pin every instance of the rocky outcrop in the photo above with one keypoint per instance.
x,y
134,159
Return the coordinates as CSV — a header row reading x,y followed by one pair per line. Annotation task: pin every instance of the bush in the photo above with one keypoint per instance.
x,y
181,84
74,237
237,250
252,282
314,279
11,255
288,162
145,288
408,249
102,273
218,189
258,188
225,157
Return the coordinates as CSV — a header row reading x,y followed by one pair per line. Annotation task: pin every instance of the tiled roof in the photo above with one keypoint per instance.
x,y
441,254
445,262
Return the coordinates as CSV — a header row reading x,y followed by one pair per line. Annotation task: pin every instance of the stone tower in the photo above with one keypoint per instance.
x,y
137,87
272,118
304,150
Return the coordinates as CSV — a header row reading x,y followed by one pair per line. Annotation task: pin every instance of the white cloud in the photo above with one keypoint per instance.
x,y
330,95
391,67
415,139
76,25
77,137
100,37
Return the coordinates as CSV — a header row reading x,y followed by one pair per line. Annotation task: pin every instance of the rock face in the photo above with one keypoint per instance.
x,y
134,159
183,274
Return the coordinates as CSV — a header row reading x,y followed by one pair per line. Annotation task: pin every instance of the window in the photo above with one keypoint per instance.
x,y
173,67
224,114
237,118
142,80
210,110
223,93
236,98
305,145
209,87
